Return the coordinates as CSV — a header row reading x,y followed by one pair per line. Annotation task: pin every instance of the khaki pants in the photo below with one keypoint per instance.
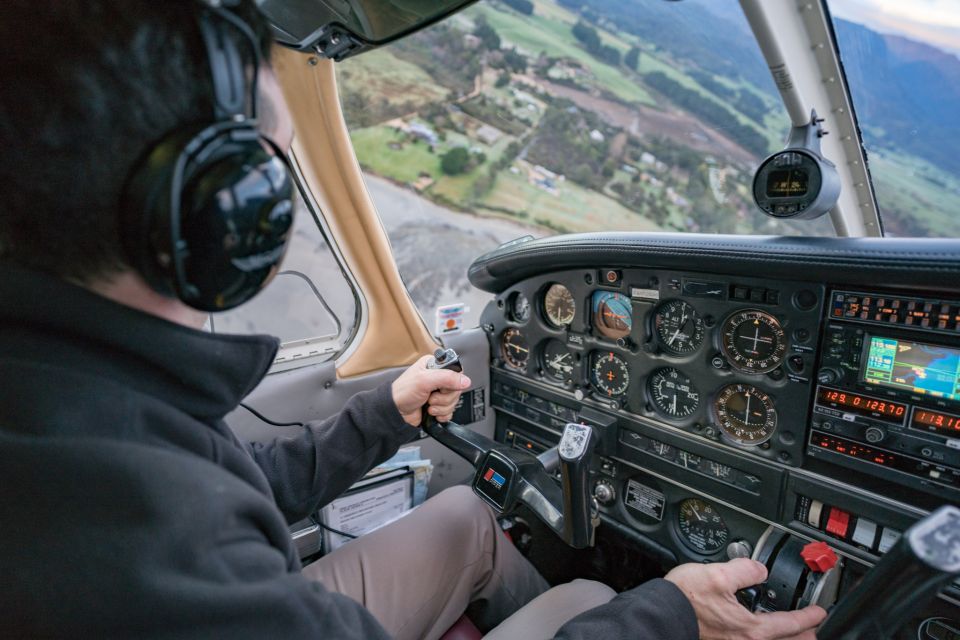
x,y
418,575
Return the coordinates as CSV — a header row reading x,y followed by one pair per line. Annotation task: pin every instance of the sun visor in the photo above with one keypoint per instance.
x,y
338,29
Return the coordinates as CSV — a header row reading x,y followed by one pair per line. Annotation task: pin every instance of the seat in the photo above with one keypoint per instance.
x,y
462,629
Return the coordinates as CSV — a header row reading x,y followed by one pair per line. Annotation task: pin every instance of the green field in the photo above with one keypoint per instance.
x,y
572,209
914,197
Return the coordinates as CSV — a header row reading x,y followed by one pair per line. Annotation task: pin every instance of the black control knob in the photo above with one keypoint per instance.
x,y
604,492
874,434
828,375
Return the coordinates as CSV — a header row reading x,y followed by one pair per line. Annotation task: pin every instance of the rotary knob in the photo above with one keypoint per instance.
x,y
875,434
604,492
739,549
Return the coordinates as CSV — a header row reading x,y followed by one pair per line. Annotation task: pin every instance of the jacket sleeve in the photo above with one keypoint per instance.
x,y
656,609
311,469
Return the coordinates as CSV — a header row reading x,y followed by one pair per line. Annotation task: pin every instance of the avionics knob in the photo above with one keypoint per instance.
x,y
827,375
875,434
739,549
604,492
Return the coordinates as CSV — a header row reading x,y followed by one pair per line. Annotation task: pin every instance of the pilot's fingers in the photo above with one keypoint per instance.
x,y
791,624
742,572
444,397
441,409
433,379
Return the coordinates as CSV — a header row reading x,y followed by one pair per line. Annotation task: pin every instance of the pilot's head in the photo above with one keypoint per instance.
x,y
91,91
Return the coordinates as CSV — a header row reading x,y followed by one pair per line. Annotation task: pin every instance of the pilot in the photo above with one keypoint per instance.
x,y
128,507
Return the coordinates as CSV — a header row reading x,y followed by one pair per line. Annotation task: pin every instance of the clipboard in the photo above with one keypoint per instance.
x,y
369,504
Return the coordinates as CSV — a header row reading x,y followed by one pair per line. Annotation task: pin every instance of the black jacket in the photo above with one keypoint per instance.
x,y
128,508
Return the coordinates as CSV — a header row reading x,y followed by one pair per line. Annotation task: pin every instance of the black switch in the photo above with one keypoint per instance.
x,y
758,295
740,293
796,364
773,297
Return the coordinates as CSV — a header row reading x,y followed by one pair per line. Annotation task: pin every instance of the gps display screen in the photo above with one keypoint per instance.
x,y
917,367
787,183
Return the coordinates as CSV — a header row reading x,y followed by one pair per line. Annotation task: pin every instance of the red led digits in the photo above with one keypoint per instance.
x,y
927,420
863,404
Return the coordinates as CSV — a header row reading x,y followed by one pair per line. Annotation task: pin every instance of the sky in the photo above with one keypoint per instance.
x,y
936,22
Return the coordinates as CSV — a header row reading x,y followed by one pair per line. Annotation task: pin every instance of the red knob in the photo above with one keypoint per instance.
x,y
819,556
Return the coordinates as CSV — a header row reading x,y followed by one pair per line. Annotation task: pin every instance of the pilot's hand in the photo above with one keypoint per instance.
x,y
417,386
711,589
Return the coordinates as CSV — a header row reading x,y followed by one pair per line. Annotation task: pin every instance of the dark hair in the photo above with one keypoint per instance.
x,y
86,89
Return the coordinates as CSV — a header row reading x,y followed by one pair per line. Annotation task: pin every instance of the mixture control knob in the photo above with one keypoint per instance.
x,y
827,375
818,556
739,549
875,434
604,492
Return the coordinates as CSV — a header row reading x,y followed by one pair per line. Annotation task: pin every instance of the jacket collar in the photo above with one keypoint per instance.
x,y
45,320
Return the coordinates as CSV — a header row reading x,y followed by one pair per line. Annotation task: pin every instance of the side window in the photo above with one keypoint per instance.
x,y
310,305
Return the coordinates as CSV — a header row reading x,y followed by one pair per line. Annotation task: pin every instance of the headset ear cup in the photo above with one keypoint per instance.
x,y
236,213
145,212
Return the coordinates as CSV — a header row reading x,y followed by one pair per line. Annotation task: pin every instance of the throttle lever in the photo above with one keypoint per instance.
x,y
909,575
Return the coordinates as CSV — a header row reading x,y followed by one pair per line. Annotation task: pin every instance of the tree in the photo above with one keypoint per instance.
x,y
455,161
514,60
487,34
502,80
587,35
632,59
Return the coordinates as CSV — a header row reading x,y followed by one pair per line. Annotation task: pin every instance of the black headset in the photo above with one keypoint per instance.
x,y
208,212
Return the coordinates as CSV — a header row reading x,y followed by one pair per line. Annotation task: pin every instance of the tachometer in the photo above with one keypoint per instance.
x,y
745,414
679,327
559,305
612,314
701,526
673,394
753,341
514,348
557,360
609,374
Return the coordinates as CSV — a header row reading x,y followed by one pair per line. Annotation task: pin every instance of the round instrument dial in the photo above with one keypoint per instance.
x,y
559,305
557,361
701,526
519,307
753,341
745,414
609,374
612,314
514,348
679,327
673,394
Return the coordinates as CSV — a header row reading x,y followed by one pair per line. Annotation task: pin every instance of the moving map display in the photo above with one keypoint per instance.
x,y
914,366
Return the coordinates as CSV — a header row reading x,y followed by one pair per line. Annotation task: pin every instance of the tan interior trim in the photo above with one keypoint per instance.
x,y
395,333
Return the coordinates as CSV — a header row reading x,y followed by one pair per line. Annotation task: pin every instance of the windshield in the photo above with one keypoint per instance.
x,y
902,62
574,115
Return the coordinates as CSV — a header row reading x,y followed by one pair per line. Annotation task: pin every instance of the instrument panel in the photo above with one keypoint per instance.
x,y
729,362
743,401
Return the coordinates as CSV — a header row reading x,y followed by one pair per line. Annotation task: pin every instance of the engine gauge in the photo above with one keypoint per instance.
x,y
679,327
612,314
745,414
514,348
559,305
519,307
673,394
609,374
557,360
753,341
701,526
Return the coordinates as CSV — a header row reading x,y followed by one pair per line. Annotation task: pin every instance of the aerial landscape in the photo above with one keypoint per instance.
x,y
582,115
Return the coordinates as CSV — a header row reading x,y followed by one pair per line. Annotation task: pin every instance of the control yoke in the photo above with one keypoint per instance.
x,y
505,476
909,575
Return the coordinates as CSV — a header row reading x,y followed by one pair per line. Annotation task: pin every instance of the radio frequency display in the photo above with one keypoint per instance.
x,y
914,366
937,421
